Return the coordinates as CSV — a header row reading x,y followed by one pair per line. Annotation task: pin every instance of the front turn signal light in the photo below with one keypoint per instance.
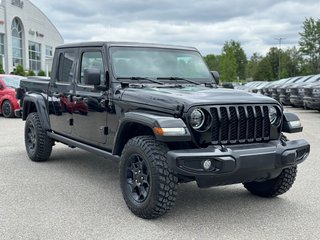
x,y
169,131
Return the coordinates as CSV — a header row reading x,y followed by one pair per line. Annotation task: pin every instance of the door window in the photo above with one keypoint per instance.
x,y
66,67
91,60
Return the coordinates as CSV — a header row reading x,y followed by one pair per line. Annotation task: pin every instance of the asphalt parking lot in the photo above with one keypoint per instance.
x,y
76,195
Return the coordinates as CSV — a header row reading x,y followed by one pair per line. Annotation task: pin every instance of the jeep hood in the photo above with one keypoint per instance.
x,y
189,96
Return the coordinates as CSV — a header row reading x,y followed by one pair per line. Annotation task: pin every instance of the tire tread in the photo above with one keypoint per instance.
x,y
44,143
167,193
273,187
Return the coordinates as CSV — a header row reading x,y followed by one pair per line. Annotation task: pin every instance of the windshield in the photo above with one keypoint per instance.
x,y
158,63
11,82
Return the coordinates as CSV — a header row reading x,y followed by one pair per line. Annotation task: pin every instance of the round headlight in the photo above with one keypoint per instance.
x,y
196,118
273,115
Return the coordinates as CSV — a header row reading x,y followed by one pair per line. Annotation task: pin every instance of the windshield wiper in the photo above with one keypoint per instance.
x,y
178,78
141,78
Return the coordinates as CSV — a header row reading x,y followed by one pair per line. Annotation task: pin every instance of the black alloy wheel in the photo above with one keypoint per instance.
x,y
31,138
7,109
148,185
138,178
37,142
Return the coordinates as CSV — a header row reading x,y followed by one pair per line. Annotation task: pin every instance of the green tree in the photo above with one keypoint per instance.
x,y
228,66
239,54
213,61
252,66
273,59
41,73
294,64
19,70
310,43
263,71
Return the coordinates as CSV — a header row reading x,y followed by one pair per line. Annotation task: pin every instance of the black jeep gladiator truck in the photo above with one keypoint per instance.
x,y
158,111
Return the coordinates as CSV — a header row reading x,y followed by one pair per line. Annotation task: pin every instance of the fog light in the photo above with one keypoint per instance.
x,y
295,124
206,164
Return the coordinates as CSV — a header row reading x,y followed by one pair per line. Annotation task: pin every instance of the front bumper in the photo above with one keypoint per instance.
x,y
285,99
312,102
296,101
238,163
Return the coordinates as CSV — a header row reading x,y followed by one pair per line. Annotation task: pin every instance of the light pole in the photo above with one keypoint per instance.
x,y
279,51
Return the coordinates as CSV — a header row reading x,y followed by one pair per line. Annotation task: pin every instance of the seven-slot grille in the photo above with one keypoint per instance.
x,y
308,92
239,124
294,91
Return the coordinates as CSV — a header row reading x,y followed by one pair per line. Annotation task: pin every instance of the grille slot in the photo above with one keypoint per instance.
x,y
308,92
294,91
239,124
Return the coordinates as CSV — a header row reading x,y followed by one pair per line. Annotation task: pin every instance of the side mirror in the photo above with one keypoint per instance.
x,y
1,87
92,77
216,76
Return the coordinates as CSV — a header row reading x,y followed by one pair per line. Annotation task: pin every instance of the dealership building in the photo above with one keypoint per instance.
x,y
27,37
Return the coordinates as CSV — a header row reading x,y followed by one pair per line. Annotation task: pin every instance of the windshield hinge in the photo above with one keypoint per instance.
x,y
179,111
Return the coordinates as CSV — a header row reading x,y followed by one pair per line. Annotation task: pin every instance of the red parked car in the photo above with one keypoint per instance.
x,y
8,101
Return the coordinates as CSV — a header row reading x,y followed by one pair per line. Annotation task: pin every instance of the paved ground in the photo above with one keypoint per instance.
x,y
76,195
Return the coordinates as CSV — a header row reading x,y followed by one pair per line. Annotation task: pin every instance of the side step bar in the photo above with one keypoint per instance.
x,y
73,143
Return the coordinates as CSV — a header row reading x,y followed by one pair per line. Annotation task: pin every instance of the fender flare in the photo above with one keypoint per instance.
x,y
40,103
149,121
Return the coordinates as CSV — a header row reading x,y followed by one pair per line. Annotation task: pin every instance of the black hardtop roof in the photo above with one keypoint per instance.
x,y
124,44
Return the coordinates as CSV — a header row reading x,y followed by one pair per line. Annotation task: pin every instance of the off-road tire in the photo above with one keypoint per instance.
x,y
7,109
273,187
161,189
38,144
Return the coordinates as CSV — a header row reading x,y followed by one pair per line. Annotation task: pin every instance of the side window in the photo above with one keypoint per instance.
x,y
66,67
91,60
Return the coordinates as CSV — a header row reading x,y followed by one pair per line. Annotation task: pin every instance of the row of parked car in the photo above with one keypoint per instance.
x,y
8,101
295,91
303,91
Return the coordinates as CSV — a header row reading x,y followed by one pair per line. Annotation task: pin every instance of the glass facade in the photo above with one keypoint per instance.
x,y
2,44
34,56
49,51
16,33
2,50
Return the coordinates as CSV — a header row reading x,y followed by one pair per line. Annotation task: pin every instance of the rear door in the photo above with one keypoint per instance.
x,y
62,91
90,102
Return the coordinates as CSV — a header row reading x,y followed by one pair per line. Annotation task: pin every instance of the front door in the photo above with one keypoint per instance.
x,y
89,102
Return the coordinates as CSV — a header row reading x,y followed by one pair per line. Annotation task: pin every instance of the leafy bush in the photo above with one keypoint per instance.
x,y
31,73
41,73
19,70
1,69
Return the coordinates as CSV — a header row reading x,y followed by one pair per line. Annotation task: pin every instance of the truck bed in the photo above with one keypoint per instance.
x,y
36,84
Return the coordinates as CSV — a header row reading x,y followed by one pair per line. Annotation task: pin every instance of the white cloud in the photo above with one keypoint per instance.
x,y
204,24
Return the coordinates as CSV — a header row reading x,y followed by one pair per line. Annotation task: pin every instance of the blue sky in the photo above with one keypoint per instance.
x,y
204,24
